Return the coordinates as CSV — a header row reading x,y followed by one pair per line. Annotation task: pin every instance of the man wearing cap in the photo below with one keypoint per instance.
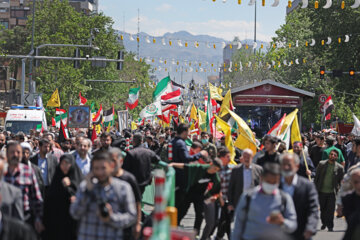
x,y
27,150
330,146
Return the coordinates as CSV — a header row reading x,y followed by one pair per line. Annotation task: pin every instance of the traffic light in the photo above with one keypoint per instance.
x,y
322,72
120,56
77,55
352,72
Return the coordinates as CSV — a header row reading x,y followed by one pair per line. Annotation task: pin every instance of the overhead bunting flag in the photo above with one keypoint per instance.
x,y
109,118
54,100
162,88
151,110
226,104
215,93
328,107
82,100
133,99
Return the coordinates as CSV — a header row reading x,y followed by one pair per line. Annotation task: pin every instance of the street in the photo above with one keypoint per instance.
x,y
339,228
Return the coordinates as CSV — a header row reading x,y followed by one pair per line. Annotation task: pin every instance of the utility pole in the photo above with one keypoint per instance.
x,y
138,35
255,27
32,87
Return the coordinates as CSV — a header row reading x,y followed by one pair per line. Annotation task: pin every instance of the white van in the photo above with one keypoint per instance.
x,y
23,119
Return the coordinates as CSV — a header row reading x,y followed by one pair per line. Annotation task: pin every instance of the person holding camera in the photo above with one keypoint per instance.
x,y
104,205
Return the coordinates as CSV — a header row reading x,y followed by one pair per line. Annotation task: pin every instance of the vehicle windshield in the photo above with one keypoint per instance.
x,y
21,126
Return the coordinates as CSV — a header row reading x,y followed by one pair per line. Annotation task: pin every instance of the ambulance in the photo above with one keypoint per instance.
x,y
24,119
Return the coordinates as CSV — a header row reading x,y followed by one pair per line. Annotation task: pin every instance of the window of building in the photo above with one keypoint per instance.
x,y
5,24
4,9
18,13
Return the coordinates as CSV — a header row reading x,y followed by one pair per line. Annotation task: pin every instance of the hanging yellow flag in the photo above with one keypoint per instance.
x,y
246,138
215,93
221,124
202,121
226,104
54,100
193,113
133,125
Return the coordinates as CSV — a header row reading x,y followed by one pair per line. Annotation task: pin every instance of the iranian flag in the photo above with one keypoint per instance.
x,y
276,129
133,99
60,111
39,128
162,88
61,118
172,98
328,107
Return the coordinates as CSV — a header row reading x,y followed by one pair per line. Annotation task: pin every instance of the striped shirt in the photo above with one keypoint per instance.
x,y
225,174
85,209
24,178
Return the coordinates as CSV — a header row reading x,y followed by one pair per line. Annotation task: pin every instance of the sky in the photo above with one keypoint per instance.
x,y
222,18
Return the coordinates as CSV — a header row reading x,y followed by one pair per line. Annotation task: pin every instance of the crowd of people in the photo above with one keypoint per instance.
x,y
79,189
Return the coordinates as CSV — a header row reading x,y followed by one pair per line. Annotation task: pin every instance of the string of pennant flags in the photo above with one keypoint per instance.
x,y
305,3
238,45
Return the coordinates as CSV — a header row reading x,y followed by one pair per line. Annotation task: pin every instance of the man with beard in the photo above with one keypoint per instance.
x,y
303,171
21,176
104,205
2,143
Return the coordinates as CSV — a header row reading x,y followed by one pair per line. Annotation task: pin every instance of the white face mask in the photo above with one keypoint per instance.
x,y
269,188
287,173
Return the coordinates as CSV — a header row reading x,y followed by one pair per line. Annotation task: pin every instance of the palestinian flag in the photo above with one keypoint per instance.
x,y
133,99
61,118
109,117
328,107
162,88
63,133
60,111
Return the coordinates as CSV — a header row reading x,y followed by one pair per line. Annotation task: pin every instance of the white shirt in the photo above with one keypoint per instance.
x,y
247,178
290,188
84,164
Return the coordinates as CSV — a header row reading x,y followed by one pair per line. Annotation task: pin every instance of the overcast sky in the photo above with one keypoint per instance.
x,y
218,19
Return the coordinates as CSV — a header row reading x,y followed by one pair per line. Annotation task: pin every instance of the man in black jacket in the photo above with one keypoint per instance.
x,y
304,195
138,162
46,162
181,155
271,155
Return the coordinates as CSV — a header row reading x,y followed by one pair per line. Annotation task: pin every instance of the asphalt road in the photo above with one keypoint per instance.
x,y
339,229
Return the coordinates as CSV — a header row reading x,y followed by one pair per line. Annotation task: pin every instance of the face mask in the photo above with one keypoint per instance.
x,y
287,173
204,141
269,188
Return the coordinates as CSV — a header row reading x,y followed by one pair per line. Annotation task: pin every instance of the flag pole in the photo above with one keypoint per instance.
x,y
306,164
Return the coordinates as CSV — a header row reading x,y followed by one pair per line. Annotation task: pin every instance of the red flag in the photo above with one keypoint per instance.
x,y
171,95
82,99
53,122
93,135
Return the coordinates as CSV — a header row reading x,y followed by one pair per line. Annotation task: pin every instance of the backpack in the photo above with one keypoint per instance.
x,y
247,208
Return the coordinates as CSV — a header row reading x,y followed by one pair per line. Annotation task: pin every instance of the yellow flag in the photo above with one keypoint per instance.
x,y
193,113
215,93
202,121
133,125
288,121
54,100
181,118
221,124
295,131
226,104
246,138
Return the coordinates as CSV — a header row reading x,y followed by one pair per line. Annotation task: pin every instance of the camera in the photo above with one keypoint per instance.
x,y
101,199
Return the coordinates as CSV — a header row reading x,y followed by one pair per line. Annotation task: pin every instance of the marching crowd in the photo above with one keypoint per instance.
x,y
79,189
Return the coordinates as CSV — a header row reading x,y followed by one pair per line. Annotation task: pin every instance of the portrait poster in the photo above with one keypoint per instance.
x,y
79,117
